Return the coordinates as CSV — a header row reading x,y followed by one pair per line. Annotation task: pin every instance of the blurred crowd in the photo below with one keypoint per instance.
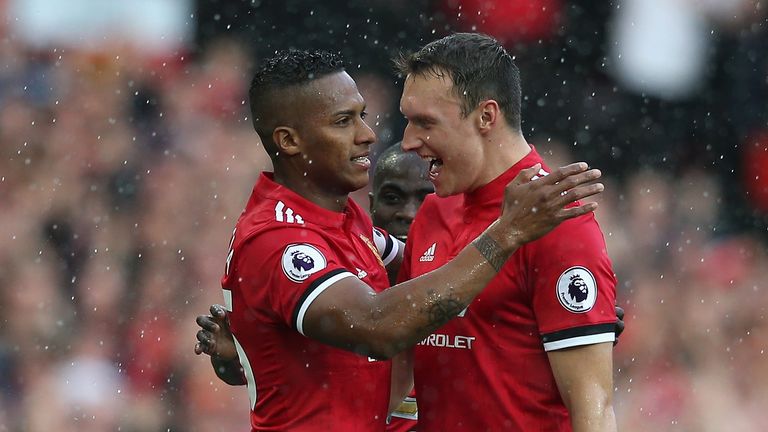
x,y
122,173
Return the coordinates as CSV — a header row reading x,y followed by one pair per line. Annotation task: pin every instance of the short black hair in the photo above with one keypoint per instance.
x,y
285,69
479,67
390,159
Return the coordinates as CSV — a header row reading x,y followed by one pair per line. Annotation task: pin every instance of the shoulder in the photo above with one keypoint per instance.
x,y
580,233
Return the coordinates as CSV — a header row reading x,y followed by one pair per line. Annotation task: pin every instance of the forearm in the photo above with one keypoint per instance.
x,y
432,299
228,371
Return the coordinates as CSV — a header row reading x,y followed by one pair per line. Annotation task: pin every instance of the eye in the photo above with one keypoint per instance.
x,y
421,124
363,115
344,121
390,198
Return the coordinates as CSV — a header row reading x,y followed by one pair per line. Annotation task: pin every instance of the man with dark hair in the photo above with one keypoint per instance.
x,y
304,278
526,354
399,186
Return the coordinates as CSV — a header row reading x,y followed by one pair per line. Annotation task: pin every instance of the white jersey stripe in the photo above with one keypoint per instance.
x,y
313,295
579,341
249,377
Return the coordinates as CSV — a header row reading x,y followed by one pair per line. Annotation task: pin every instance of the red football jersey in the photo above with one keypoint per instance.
x,y
488,369
284,252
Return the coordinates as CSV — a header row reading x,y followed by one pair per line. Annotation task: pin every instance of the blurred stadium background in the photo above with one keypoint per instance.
x,y
127,156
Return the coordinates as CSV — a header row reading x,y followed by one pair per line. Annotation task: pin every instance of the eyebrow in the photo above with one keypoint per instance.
x,y
421,118
388,184
351,111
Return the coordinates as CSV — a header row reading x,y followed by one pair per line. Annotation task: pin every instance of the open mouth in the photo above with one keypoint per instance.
x,y
363,161
435,165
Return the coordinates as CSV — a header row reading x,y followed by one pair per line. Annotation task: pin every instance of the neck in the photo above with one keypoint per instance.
x,y
501,153
333,201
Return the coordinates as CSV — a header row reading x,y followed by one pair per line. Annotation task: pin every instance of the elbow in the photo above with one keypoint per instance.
x,y
595,415
382,342
380,347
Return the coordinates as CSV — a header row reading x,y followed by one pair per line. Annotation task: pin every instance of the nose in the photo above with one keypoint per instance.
x,y
410,140
365,134
408,211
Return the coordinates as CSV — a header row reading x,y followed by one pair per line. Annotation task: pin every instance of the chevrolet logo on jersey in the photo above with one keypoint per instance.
x,y
448,341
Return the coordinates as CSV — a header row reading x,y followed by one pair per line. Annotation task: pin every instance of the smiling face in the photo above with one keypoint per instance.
x,y
437,131
400,187
332,138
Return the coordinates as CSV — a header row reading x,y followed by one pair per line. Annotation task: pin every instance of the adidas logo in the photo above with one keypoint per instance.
x,y
429,255
286,214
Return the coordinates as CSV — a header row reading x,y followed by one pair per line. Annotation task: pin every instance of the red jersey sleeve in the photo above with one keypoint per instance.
x,y
573,285
284,270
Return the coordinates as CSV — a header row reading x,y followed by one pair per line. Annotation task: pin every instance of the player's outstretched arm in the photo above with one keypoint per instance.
x,y
584,377
215,339
351,315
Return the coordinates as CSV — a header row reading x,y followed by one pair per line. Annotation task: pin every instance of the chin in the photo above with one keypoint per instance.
x,y
444,191
359,183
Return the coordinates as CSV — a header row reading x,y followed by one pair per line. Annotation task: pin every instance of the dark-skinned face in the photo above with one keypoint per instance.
x,y
334,137
399,194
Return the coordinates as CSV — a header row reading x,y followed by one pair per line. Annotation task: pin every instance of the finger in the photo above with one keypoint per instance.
x,y
198,348
202,319
619,312
201,336
207,323
218,310
559,174
206,339
576,180
578,193
526,175
576,211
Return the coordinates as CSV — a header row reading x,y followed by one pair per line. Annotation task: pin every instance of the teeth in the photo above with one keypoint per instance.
x,y
435,163
360,159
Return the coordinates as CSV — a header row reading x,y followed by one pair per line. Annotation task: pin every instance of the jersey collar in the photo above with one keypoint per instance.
x,y
266,187
493,193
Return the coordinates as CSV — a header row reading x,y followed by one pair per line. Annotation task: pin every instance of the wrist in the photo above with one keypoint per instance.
x,y
508,239
494,253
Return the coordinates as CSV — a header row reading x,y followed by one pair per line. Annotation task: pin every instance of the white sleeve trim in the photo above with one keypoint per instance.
x,y
382,243
579,341
313,295
393,252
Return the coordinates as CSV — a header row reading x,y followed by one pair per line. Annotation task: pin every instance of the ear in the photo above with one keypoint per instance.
x,y
490,113
287,140
370,202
